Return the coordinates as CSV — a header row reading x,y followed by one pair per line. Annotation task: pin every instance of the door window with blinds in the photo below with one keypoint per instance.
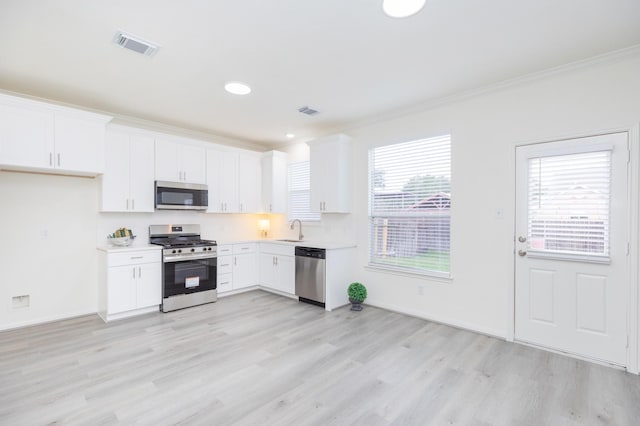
x,y
569,204
299,206
410,206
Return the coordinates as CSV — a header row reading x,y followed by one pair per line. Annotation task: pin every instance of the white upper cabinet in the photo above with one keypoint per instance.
x,y
26,137
180,162
222,181
330,161
79,144
128,180
274,182
35,136
233,179
249,177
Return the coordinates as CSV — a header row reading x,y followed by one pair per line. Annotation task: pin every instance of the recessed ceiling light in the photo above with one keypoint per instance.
x,y
290,135
402,8
237,88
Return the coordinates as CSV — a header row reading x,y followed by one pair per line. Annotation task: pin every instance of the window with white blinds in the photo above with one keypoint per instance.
x,y
410,206
300,193
569,202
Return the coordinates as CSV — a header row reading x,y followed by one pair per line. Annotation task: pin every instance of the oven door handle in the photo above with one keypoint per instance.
x,y
169,259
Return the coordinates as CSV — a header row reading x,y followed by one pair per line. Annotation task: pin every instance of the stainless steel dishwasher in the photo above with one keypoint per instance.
x,y
311,275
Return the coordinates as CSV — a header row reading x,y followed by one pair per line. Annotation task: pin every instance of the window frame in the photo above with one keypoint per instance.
x,y
412,270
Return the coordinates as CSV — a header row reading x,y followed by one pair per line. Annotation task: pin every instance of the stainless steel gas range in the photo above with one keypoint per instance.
x,y
189,271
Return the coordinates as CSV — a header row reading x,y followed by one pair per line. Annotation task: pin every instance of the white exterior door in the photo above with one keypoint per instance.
x,y
572,246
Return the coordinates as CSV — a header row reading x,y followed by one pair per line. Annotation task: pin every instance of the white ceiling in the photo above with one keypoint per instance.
x,y
344,58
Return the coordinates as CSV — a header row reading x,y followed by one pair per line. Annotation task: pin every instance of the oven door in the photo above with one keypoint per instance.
x,y
189,276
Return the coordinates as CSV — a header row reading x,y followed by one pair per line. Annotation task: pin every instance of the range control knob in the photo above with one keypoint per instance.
x,y
180,251
173,251
192,250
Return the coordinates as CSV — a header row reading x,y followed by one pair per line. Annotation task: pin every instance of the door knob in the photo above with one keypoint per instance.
x,y
522,253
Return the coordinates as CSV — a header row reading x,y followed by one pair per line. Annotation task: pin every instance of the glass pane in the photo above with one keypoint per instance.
x,y
569,202
300,193
410,204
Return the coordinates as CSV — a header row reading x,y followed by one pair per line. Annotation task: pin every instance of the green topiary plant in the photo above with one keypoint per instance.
x,y
357,292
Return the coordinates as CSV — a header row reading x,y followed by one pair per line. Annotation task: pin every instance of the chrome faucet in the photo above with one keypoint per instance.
x,y
293,222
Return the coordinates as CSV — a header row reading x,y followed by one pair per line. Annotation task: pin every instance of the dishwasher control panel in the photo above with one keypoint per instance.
x,y
317,253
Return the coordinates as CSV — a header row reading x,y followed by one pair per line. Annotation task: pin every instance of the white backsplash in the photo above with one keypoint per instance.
x,y
227,227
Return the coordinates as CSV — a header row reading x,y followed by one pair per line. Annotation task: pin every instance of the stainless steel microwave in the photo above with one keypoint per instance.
x,y
181,196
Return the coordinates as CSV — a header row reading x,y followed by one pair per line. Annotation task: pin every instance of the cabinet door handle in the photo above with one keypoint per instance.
x,y
276,260
273,260
51,158
270,208
58,160
133,204
139,271
240,206
127,204
184,175
320,205
235,260
134,272
137,257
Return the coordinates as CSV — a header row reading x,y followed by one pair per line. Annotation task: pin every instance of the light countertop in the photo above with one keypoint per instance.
x,y
134,247
328,245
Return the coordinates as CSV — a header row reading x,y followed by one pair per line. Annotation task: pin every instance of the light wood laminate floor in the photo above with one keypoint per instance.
x,y
260,359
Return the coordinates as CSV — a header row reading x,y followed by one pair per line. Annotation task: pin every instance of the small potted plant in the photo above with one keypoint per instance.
x,y
357,293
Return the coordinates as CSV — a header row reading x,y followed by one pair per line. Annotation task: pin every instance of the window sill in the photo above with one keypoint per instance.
x,y
444,277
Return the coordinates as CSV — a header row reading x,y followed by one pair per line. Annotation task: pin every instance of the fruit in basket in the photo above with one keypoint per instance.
x,y
121,237
121,233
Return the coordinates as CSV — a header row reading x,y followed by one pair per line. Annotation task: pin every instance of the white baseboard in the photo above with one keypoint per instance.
x,y
501,334
45,320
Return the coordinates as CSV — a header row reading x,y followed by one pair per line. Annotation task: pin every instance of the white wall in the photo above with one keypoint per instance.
x,y
50,230
485,130
48,246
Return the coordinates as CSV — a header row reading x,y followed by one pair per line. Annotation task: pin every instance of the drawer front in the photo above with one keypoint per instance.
x,y
225,265
225,250
244,248
134,257
278,249
225,282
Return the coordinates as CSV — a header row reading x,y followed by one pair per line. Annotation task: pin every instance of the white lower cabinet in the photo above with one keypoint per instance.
x,y
225,268
277,267
130,282
245,265
237,267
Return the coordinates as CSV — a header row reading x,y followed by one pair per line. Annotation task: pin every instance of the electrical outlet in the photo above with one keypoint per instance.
x,y
18,302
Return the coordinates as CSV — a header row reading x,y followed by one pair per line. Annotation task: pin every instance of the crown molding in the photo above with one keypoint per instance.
x,y
608,57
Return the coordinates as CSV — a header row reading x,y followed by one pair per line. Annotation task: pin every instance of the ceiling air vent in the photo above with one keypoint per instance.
x,y
136,44
307,110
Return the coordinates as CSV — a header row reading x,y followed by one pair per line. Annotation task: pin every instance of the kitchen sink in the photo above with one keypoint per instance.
x,y
290,241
